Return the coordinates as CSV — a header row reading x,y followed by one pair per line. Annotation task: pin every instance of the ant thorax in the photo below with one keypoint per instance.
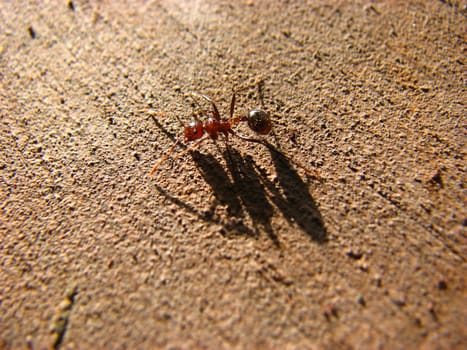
x,y
212,127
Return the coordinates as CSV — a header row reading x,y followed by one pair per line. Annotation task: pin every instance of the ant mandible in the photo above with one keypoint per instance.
x,y
257,120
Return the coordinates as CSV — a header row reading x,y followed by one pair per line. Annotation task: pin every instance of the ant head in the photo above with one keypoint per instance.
x,y
194,130
259,122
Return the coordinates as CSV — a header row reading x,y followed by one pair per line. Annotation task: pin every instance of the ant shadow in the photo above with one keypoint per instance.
x,y
292,197
244,195
250,196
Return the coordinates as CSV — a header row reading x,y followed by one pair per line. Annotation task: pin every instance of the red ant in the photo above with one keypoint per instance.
x,y
257,120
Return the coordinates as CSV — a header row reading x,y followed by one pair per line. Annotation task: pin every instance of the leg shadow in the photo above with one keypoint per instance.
x,y
251,191
290,194
224,191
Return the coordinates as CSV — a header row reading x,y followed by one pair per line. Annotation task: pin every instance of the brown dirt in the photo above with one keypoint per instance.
x,y
233,248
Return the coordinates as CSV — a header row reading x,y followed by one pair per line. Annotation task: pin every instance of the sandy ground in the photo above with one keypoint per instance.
x,y
348,232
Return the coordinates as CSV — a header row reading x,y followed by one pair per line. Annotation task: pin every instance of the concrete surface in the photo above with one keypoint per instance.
x,y
233,246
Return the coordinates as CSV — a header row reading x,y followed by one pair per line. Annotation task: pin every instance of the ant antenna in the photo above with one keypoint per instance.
x,y
180,121
172,149
215,111
192,94
200,110
164,157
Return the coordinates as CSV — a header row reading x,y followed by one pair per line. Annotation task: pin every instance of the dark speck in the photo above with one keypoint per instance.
x,y
442,285
354,254
32,33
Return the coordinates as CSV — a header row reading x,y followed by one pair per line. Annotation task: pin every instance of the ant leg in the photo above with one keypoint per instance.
x,y
311,173
164,158
215,111
206,112
234,121
201,110
232,104
244,138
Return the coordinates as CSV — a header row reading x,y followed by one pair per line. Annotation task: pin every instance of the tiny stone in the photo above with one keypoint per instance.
x,y
378,280
65,304
442,285
354,254
398,298
364,265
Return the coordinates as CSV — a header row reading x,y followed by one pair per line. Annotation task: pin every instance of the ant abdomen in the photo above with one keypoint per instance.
x,y
259,122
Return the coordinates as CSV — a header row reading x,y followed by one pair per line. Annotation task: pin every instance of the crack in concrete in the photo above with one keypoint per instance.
x,y
60,321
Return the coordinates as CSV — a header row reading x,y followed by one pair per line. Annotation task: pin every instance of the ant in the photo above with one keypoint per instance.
x,y
258,121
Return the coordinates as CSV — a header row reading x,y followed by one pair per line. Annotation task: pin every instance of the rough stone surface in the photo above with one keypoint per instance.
x,y
234,246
